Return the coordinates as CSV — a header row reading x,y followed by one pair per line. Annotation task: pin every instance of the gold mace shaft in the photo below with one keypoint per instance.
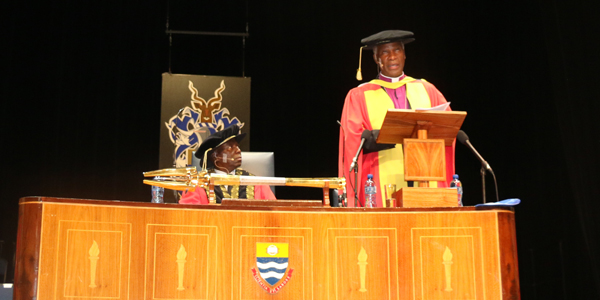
x,y
188,179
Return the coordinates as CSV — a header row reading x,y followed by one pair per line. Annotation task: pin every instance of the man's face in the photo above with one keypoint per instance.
x,y
228,156
390,58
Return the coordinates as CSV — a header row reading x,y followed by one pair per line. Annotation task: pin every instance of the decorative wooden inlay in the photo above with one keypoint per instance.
x,y
181,255
180,262
362,264
450,263
376,248
447,257
94,252
93,262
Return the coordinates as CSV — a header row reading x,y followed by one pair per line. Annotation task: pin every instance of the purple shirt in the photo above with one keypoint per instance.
x,y
398,95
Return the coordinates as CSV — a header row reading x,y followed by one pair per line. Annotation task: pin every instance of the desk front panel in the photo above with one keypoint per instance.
x,y
112,250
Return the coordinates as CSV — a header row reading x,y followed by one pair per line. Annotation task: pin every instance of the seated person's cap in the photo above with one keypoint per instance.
x,y
388,36
219,138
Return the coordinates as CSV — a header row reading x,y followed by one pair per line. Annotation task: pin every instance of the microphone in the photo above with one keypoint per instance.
x,y
363,138
464,139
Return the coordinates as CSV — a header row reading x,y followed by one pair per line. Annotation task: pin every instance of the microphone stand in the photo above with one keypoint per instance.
x,y
483,171
483,180
355,187
354,167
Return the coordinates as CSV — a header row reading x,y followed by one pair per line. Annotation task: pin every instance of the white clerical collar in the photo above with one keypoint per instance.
x,y
393,79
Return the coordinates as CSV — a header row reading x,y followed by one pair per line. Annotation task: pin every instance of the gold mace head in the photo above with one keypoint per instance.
x,y
179,179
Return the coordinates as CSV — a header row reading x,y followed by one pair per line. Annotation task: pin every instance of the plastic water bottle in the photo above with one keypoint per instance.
x,y
157,193
370,192
455,183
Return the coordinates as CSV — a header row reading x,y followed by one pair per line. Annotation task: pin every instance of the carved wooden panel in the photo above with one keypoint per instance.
x,y
93,260
180,262
363,263
424,160
448,263
426,197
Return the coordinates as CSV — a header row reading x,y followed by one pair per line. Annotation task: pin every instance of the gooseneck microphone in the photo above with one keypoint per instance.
x,y
464,139
363,138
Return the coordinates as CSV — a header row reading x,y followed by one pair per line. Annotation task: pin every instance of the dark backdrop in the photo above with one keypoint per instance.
x,y
81,80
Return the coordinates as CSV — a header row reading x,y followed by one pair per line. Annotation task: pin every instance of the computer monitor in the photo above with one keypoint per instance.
x,y
257,163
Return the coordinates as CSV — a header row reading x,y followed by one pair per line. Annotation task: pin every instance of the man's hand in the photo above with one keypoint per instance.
x,y
371,144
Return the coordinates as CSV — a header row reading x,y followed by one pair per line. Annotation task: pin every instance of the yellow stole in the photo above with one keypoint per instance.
x,y
391,161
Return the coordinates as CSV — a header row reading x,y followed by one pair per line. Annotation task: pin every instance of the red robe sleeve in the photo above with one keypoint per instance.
x,y
354,120
261,192
196,197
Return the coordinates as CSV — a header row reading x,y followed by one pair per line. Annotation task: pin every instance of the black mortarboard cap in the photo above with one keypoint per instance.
x,y
217,139
388,36
384,37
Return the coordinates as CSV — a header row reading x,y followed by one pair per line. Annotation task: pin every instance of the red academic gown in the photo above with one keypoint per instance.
x,y
200,196
365,105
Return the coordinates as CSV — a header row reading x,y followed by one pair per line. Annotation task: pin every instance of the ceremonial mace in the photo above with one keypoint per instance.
x,y
182,179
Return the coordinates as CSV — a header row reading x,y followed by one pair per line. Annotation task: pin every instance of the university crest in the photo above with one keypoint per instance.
x,y
272,272
203,116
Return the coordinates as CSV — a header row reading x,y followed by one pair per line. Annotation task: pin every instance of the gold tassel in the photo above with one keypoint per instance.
x,y
204,160
358,72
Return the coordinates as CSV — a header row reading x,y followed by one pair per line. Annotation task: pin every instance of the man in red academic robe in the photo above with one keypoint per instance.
x,y
220,154
365,108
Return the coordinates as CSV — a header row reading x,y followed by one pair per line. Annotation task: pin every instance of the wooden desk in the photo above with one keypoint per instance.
x,y
88,249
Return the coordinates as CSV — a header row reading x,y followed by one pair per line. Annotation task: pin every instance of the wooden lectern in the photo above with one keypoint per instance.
x,y
424,134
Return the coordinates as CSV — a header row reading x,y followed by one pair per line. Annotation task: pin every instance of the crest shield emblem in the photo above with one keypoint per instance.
x,y
272,260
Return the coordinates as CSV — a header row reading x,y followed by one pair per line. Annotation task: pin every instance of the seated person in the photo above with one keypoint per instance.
x,y
223,156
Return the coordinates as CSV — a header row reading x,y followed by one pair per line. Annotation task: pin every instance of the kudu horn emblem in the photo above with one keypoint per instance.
x,y
207,108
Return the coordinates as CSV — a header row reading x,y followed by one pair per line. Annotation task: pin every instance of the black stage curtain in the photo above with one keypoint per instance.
x,y
81,101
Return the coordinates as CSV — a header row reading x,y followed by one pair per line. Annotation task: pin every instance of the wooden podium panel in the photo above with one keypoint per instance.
x,y
426,197
89,249
424,160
